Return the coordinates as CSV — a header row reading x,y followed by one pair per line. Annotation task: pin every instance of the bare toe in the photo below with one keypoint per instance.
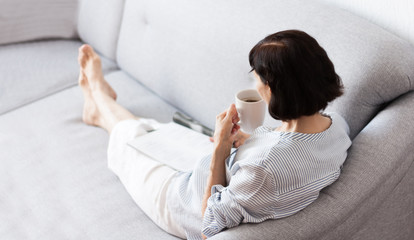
x,y
83,55
91,68
83,81
90,64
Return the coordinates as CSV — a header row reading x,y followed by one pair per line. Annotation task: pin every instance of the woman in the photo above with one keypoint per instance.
x,y
274,173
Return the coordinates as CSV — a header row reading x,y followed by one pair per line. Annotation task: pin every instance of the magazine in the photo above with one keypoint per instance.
x,y
174,145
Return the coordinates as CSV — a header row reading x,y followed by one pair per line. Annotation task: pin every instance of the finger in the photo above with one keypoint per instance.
x,y
211,139
235,129
236,119
232,109
232,112
221,115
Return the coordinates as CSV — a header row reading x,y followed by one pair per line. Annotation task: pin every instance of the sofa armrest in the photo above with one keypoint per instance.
x,y
379,158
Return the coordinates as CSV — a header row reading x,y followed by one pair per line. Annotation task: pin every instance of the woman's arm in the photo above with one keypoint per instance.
x,y
217,175
224,136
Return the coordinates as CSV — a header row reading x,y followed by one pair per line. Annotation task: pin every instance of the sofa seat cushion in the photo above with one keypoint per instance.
x,y
32,70
201,47
54,180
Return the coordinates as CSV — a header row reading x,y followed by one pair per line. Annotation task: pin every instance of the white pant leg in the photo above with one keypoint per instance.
x,y
145,179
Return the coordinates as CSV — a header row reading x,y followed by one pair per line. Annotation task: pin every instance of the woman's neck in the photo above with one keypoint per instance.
x,y
306,124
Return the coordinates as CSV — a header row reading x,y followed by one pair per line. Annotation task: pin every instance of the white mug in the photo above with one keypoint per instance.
x,y
251,108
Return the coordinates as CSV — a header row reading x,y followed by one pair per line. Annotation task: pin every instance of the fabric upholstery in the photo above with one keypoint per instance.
x,y
23,21
99,23
170,47
380,159
395,16
397,221
32,70
54,180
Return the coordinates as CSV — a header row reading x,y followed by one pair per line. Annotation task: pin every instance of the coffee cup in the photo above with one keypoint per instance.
x,y
251,109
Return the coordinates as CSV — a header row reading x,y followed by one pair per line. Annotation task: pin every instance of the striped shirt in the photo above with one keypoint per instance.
x,y
273,175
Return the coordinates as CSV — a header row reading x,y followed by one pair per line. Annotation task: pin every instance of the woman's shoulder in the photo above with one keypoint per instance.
x,y
338,121
338,128
292,146
286,145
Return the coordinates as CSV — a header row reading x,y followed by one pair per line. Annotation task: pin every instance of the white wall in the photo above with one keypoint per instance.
x,y
397,16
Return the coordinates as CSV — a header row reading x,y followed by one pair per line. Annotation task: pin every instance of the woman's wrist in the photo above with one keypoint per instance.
x,y
220,154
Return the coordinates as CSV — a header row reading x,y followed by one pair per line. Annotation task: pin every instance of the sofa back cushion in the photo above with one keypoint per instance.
x,y
99,23
26,20
394,16
194,54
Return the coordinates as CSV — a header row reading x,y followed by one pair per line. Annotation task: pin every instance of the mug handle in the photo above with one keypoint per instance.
x,y
239,112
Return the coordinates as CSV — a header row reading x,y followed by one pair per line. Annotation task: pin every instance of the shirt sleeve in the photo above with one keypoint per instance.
x,y
248,198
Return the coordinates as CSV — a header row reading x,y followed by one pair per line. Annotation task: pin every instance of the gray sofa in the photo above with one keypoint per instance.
x,y
191,56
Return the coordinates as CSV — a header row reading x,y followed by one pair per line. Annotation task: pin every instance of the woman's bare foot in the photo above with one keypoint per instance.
x,y
90,65
91,113
100,107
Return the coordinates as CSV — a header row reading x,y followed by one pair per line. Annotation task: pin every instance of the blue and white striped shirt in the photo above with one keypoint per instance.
x,y
273,175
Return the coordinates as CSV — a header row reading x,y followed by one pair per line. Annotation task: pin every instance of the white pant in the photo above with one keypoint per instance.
x,y
145,179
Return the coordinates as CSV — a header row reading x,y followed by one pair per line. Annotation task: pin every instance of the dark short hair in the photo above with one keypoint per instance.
x,y
299,73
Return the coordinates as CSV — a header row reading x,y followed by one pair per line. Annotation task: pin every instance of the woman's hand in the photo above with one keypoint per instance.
x,y
240,138
227,128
